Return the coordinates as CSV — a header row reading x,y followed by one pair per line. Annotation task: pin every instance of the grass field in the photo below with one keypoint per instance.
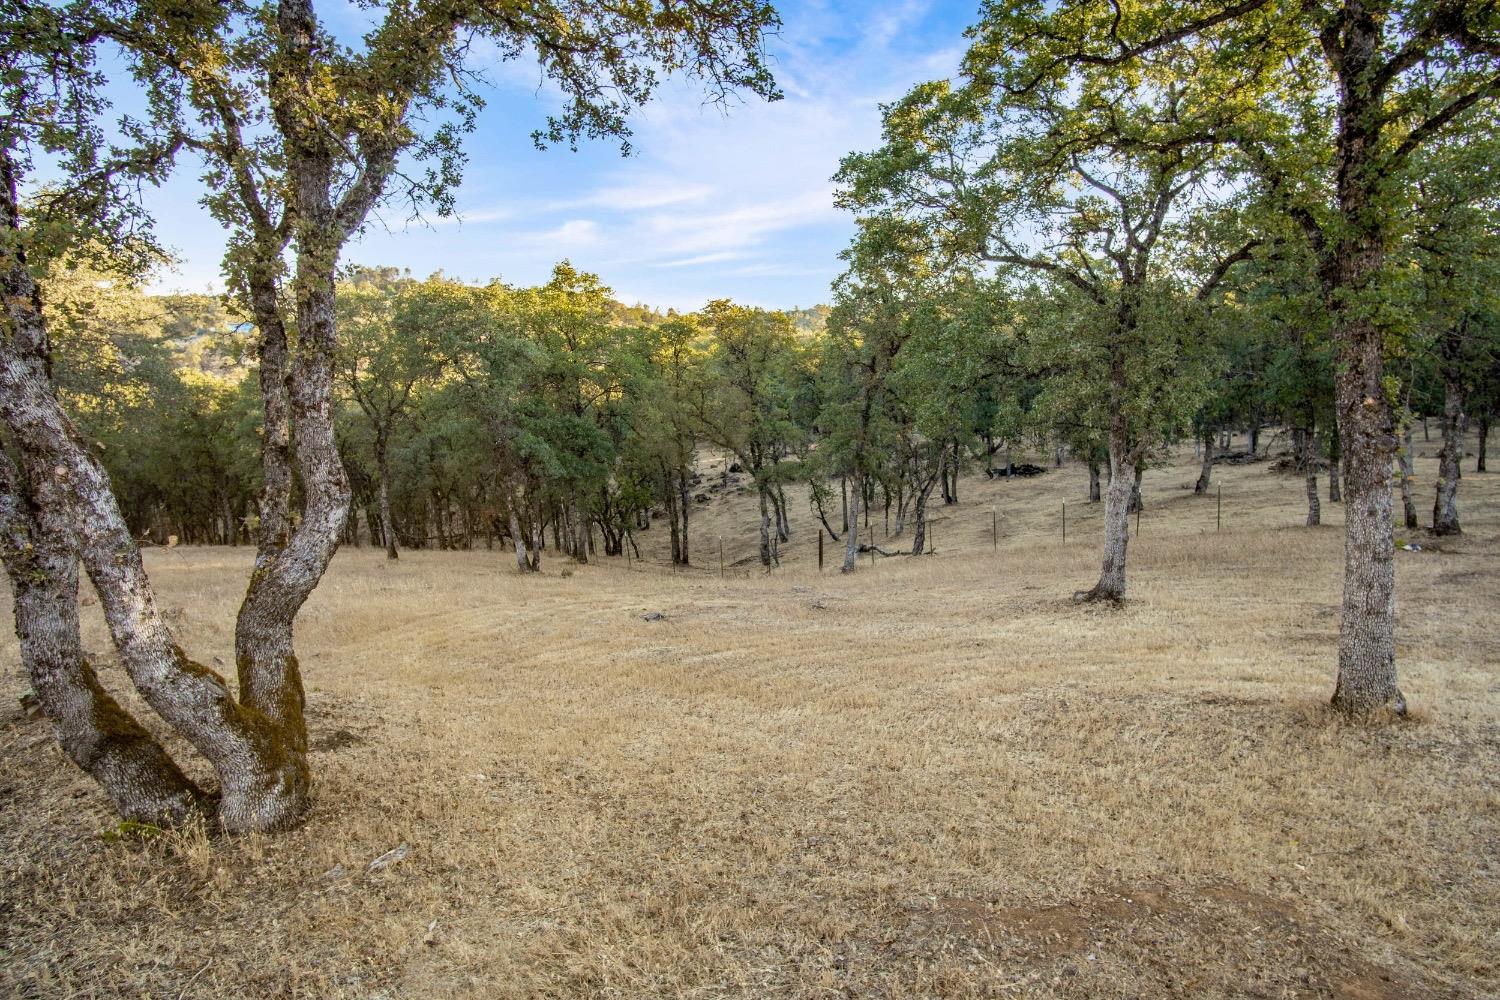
x,y
937,777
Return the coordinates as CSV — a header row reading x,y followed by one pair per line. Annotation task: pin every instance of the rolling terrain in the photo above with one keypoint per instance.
x,y
936,777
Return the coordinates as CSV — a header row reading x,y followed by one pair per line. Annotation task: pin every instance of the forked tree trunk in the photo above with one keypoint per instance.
x,y
263,774
96,733
851,533
1205,474
1445,506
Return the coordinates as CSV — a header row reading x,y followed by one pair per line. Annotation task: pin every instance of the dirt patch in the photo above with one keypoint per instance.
x,y
336,740
1294,957
1061,929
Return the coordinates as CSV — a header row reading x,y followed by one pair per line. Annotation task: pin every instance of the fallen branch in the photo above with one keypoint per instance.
x,y
867,547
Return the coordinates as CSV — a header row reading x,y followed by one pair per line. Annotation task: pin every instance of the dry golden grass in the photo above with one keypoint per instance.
x,y
939,777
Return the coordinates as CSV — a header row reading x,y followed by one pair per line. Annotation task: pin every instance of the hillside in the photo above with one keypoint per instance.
x,y
938,776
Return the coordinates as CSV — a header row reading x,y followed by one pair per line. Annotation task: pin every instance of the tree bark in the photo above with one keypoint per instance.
x,y
1367,626
383,463
765,529
97,734
1408,474
1206,473
684,484
1309,462
672,519
518,538
919,515
276,441
1093,482
851,533
263,775
1484,436
1445,506
1111,585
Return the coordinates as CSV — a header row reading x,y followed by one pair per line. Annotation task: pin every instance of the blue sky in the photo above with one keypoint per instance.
x,y
712,204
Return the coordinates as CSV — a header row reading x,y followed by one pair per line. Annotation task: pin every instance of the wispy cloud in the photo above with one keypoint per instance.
x,y
715,203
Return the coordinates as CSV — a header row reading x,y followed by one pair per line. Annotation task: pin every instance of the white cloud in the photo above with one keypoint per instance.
x,y
716,202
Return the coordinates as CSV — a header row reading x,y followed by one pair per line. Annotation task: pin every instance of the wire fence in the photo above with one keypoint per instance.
x,y
830,552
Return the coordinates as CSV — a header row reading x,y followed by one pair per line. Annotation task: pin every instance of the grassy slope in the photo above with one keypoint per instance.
x,y
936,777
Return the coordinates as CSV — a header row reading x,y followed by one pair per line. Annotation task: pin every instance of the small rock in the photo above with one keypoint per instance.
x,y
390,857
653,616
334,873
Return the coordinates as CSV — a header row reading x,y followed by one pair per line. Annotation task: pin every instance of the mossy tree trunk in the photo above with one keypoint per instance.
x,y
96,733
254,764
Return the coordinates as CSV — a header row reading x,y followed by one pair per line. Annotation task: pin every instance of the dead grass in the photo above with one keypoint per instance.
x,y
937,777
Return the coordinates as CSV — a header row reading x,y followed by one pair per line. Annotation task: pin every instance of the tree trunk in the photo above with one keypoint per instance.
x,y
1111,585
919,515
1484,436
96,733
276,440
682,480
1367,625
1136,502
1093,482
383,463
517,536
1408,474
1309,462
851,533
580,525
1445,507
263,775
765,530
1206,473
